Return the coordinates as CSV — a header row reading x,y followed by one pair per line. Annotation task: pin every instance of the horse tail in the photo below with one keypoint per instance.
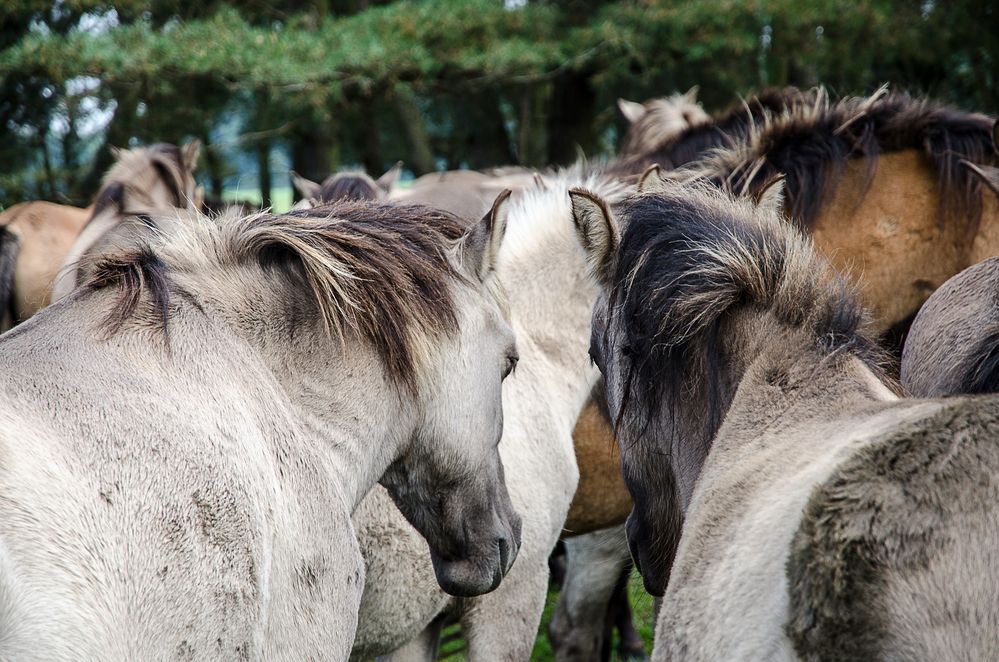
x,y
10,246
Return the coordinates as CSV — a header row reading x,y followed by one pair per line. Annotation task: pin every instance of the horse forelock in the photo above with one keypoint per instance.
x,y
382,273
810,144
690,256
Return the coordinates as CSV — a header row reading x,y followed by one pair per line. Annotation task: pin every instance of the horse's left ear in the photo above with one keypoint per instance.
x,y
771,197
988,174
482,241
190,153
597,231
391,176
632,110
691,94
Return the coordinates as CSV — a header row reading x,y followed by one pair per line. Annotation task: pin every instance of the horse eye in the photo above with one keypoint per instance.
x,y
511,365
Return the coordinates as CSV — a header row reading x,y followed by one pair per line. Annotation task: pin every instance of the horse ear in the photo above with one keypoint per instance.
x,y
988,174
482,241
539,181
652,179
115,152
308,188
632,110
190,153
995,136
597,231
691,94
771,196
391,176
199,198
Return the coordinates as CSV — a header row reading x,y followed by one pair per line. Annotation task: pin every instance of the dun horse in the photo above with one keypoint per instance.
x,y
543,272
347,186
823,518
265,373
879,185
143,182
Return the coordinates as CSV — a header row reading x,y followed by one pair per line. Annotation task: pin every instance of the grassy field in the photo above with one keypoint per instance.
x,y
641,605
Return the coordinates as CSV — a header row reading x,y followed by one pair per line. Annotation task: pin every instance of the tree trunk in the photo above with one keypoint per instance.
x,y
212,164
264,172
421,155
571,119
532,145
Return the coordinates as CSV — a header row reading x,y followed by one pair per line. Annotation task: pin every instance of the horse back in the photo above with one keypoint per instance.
x,y
895,555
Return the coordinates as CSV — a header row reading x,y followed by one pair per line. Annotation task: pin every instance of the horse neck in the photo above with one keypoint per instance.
x,y
351,420
784,377
551,301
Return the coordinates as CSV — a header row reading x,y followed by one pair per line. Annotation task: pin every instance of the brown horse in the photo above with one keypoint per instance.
x,y
34,239
879,184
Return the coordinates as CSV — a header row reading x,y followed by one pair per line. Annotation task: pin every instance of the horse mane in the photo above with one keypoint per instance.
x,y
727,129
349,186
377,271
689,256
810,143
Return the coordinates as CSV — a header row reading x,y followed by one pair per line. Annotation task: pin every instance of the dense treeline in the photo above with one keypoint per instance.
x,y
438,83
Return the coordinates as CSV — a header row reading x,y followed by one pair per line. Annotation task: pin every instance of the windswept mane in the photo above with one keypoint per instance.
x,y
383,273
810,144
728,129
690,256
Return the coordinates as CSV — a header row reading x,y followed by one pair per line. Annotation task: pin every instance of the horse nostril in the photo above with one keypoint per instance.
x,y
504,551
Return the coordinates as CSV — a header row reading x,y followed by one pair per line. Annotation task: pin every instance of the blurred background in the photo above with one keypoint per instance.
x,y
326,84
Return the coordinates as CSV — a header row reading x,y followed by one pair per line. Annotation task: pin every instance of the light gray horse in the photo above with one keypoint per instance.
x,y
544,274
823,518
185,436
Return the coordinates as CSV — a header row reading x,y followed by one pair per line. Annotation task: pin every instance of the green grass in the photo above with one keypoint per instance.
x,y
641,607
281,198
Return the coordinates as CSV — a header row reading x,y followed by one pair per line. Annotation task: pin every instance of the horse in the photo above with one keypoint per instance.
x,y
266,372
823,517
879,184
953,344
351,185
671,145
543,273
656,120
34,239
467,193
142,183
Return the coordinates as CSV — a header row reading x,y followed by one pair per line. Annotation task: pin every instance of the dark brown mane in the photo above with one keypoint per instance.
x,y
376,271
724,130
810,146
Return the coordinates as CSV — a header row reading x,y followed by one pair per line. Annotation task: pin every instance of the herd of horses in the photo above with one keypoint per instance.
x,y
747,354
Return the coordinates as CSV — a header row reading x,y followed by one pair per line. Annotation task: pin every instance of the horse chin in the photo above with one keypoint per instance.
x,y
466,578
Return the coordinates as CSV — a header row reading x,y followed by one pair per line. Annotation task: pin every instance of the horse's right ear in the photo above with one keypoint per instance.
x,y
190,153
597,231
632,110
988,174
308,188
482,241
